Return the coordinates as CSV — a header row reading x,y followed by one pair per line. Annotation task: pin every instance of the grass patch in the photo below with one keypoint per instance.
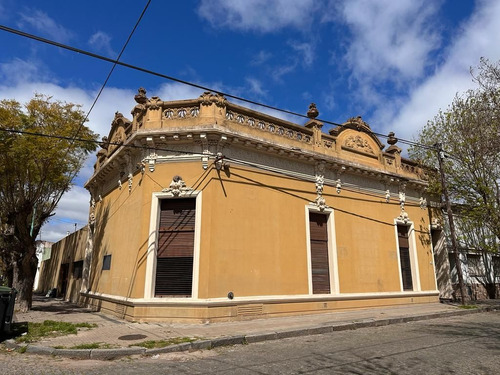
x,y
51,328
153,344
94,345
468,307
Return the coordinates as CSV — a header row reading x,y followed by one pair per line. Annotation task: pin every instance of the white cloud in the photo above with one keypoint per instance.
x,y
258,15
18,71
391,40
255,87
479,37
44,24
177,91
305,51
282,70
74,205
261,58
102,42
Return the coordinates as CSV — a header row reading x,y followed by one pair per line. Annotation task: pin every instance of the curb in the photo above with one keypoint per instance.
x,y
109,354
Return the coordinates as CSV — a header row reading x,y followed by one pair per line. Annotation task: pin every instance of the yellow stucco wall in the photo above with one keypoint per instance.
x,y
120,221
253,235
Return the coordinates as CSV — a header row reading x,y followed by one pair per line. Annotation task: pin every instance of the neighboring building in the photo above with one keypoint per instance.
x,y
481,274
204,210
441,255
62,270
43,252
480,264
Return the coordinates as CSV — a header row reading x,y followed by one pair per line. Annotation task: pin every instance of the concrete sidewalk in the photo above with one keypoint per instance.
x,y
122,335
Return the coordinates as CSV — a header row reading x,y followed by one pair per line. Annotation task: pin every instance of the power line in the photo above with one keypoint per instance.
x,y
112,69
195,85
36,134
249,164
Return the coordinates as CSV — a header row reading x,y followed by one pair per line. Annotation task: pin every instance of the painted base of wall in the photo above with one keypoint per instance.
x,y
223,311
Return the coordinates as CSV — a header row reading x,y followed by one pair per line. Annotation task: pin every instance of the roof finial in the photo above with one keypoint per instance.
x,y
140,97
312,113
391,139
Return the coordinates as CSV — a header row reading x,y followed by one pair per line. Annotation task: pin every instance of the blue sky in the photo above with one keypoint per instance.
x,y
394,62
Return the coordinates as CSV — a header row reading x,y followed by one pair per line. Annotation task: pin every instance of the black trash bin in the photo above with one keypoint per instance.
x,y
7,301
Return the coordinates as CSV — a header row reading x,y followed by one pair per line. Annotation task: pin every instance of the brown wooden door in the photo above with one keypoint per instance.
x,y
320,269
174,263
404,257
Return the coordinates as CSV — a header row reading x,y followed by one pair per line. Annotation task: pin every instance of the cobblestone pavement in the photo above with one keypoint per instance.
x,y
465,344
120,333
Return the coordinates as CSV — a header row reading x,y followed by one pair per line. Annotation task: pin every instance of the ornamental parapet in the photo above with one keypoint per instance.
x,y
211,117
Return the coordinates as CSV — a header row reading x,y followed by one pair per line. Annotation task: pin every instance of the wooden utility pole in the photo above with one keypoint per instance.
x,y
454,246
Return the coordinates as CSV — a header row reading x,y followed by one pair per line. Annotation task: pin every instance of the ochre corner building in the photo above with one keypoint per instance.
x,y
204,210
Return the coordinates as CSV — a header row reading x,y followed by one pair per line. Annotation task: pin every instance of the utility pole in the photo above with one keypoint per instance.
x,y
454,246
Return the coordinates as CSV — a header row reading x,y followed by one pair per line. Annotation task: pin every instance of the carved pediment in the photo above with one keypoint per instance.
x,y
361,128
358,143
120,128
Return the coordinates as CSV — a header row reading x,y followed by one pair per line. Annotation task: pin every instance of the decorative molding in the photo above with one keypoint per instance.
x,y
208,98
319,171
338,186
154,102
423,203
403,215
130,180
402,195
357,142
387,181
177,187
269,127
181,113
92,213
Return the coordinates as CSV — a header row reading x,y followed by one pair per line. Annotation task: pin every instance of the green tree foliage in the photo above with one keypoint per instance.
x,y
35,171
469,131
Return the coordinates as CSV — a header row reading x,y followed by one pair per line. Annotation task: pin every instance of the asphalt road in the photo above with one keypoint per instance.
x,y
460,345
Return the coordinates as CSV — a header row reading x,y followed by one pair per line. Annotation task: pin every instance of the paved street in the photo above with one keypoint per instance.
x,y
461,345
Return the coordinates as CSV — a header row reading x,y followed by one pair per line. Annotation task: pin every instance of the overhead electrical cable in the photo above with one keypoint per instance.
x,y
111,70
237,161
195,85
35,134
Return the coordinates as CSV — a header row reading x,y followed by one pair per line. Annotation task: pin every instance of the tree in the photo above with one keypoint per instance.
x,y
35,171
469,131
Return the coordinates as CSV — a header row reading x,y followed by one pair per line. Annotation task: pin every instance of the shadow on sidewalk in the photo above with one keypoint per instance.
x,y
42,304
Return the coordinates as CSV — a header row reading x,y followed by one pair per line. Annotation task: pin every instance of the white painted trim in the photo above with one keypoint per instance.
x,y
308,251
415,274
152,247
262,299
197,245
333,258
149,282
414,258
332,249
